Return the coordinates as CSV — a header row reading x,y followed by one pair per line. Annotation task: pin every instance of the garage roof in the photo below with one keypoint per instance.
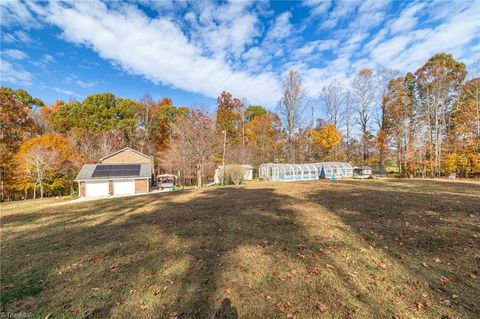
x,y
114,171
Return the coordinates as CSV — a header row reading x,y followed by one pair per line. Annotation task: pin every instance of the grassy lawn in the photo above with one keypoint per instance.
x,y
318,249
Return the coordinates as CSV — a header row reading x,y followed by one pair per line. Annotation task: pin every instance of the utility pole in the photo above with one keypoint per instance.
x,y
223,157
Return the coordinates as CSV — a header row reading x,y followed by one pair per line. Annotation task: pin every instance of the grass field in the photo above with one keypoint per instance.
x,y
318,249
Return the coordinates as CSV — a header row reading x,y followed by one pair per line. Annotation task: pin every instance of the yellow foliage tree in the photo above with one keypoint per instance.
x,y
45,159
328,137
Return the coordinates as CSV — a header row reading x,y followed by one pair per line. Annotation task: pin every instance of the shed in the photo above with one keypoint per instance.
x,y
362,172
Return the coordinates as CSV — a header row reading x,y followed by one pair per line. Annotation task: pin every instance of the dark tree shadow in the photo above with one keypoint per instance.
x,y
177,247
226,310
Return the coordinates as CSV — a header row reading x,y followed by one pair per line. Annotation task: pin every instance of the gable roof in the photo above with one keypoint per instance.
x,y
123,150
86,172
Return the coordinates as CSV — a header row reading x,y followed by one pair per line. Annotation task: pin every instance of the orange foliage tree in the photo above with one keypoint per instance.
x,y
49,162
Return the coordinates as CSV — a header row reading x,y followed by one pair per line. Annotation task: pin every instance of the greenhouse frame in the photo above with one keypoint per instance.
x,y
298,172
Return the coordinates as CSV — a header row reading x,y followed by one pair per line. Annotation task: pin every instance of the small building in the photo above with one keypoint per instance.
x,y
247,177
124,172
362,172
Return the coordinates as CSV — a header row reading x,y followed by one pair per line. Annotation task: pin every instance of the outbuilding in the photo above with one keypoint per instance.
x,y
124,172
362,172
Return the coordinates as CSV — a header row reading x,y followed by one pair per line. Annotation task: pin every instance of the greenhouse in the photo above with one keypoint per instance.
x,y
296,172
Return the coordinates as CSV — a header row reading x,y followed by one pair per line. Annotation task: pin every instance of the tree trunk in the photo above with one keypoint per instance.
x,y
199,176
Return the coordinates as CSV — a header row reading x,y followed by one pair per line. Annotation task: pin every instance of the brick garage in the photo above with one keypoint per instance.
x,y
121,173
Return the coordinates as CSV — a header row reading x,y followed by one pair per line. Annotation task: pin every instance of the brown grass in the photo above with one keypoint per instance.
x,y
329,249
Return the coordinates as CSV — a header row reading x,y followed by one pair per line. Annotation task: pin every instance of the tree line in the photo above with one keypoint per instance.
x,y
422,124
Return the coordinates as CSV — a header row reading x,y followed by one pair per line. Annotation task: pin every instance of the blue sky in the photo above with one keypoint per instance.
x,y
192,50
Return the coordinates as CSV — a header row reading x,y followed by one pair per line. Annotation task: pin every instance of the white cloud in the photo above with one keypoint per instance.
x,y
156,49
66,92
86,85
314,47
341,10
281,28
14,54
317,7
15,12
453,36
10,74
408,19
223,30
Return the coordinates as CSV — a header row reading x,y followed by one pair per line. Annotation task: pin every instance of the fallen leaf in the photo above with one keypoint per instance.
x,y
229,291
322,307
419,305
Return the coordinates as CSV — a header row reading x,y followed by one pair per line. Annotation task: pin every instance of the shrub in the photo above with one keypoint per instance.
x,y
234,174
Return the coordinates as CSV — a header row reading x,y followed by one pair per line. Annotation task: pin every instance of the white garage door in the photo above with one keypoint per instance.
x,y
123,187
96,189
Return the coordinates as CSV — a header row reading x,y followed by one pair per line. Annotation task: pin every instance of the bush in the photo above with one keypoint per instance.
x,y
234,174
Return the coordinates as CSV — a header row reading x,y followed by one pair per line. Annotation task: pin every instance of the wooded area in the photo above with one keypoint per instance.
x,y
422,124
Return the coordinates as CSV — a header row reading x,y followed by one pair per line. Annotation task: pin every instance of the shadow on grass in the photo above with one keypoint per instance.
x,y
172,255
434,237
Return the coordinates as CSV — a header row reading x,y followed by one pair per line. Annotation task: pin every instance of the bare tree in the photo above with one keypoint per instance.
x,y
333,97
146,107
347,117
194,144
38,161
290,106
363,89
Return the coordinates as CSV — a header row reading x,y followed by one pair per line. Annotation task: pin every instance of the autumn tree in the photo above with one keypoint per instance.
x,y
290,107
398,121
324,140
46,159
16,125
253,111
263,133
228,115
194,144
466,115
438,83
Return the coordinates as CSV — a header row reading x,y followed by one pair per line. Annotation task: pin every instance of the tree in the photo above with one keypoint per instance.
x,y
333,98
263,132
324,139
253,111
437,84
363,88
228,115
16,125
194,144
290,107
45,158
466,114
